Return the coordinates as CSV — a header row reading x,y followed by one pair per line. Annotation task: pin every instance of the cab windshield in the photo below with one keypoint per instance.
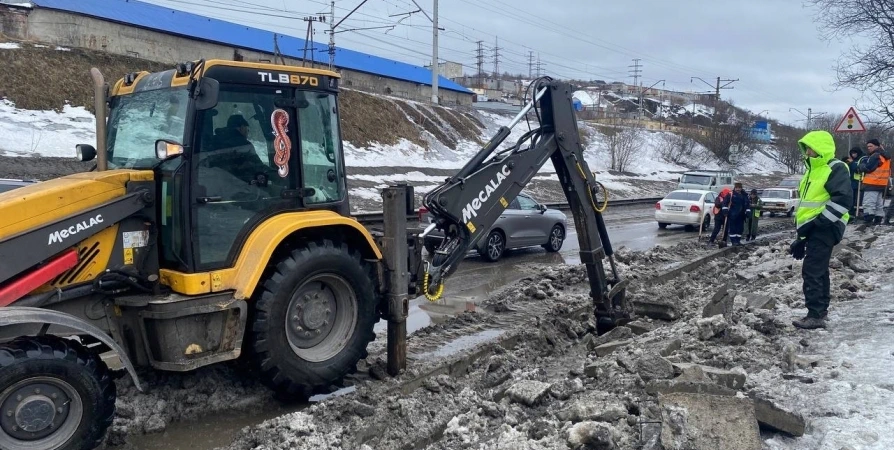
x,y
702,180
137,120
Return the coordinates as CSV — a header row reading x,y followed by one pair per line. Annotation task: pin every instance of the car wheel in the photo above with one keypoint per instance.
x,y
494,246
790,212
662,225
706,223
772,214
556,239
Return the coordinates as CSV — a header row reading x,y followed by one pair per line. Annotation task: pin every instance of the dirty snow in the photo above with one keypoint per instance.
x,y
9,45
560,388
44,133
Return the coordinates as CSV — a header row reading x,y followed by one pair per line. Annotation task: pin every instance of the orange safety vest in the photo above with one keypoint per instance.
x,y
879,176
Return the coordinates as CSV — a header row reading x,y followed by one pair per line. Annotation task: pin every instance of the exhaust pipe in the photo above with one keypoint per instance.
x,y
100,103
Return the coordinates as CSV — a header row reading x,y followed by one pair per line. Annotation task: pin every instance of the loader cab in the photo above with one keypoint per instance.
x,y
269,144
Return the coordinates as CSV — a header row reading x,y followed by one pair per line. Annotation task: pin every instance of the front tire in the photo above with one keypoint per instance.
x,y
494,246
556,239
314,319
61,396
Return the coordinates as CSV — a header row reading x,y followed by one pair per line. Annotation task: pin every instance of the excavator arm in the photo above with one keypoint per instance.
x,y
469,203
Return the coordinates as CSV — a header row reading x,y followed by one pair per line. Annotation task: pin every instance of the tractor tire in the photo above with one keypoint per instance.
x,y
313,319
62,396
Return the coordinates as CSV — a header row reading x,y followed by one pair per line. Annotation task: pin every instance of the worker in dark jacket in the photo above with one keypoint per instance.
x,y
876,170
721,210
752,215
738,206
855,157
821,218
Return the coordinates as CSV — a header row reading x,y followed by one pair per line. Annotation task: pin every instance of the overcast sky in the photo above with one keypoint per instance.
x,y
772,47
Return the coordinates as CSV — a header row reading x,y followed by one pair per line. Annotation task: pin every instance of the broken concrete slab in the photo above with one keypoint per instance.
x,y
616,334
669,347
722,304
759,301
687,387
606,349
651,366
527,392
774,417
593,410
769,267
709,421
640,327
732,379
655,309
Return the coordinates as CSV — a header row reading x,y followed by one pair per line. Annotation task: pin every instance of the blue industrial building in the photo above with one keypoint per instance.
x,y
149,31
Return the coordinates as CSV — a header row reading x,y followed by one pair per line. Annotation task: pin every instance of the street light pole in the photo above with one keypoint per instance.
x,y
434,54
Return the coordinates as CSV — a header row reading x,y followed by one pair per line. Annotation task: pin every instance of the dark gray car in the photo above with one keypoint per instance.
x,y
525,223
7,184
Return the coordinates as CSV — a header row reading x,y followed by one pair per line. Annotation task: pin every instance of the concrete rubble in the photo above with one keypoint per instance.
x,y
681,379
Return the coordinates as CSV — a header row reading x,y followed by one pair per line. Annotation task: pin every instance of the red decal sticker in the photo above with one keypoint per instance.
x,y
283,146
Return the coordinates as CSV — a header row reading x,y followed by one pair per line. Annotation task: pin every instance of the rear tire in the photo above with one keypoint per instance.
x,y
790,212
314,319
706,223
494,246
556,239
62,396
662,225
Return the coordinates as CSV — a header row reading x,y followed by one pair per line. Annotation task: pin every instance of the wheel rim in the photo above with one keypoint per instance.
x,y
321,317
39,413
495,246
556,238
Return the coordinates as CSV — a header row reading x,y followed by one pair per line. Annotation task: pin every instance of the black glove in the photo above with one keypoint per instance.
x,y
798,248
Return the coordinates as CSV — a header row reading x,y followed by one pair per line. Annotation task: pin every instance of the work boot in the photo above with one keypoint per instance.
x,y
809,323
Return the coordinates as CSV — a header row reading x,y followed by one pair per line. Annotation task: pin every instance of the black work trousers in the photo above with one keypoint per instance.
x,y
815,273
719,221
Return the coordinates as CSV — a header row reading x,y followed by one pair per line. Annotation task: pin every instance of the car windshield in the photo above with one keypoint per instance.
x,y
136,121
702,180
777,193
677,195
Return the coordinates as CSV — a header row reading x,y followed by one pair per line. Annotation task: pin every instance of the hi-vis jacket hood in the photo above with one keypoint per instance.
x,y
822,143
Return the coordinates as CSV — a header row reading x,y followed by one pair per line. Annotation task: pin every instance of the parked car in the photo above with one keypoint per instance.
x,y
685,207
8,184
525,223
780,200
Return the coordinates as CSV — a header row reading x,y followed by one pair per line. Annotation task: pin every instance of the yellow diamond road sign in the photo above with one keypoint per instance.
x,y
850,123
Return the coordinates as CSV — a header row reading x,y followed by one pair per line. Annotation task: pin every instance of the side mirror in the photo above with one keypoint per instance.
x,y
85,152
207,97
542,208
165,149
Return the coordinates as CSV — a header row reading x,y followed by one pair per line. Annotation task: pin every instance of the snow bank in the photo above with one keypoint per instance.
x,y
44,133
9,45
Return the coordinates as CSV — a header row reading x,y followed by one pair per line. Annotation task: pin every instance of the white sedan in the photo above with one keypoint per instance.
x,y
685,207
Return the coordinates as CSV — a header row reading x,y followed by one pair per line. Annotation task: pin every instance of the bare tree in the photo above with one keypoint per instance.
x,y
681,149
727,142
622,144
787,150
868,68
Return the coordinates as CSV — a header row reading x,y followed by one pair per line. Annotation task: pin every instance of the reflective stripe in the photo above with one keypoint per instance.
x,y
827,214
836,207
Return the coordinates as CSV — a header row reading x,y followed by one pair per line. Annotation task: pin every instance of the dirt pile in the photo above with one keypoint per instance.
x,y
653,385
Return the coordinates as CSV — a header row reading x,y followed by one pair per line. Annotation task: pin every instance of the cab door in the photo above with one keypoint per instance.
x,y
244,169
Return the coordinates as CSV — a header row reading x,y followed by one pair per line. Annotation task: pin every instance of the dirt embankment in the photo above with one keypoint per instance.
x,y
42,77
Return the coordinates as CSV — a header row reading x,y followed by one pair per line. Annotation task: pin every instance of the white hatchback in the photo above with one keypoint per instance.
x,y
685,207
779,200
